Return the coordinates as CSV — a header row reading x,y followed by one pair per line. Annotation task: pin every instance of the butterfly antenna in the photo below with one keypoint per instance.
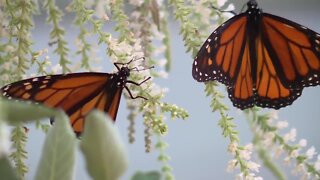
x,y
136,69
242,7
222,11
134,59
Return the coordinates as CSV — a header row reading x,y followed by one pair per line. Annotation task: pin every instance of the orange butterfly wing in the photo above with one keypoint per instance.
x,y
219,57
294,51
263,59
76,94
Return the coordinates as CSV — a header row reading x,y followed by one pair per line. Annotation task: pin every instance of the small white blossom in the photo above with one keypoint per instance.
x,y
159,1
220,3
258,178
303,143
105,17
78,43
56,69
6,66
159,50
232,147
268,138
204,11
317,163
46,58
291,136
9,48
231,165
5,77
274,114
299,169
163,74
156,90
157,34
278,152
311,152
253,166
230,7
136,2
282,124
294,154
100,9
246,154
162,62
239,176
306,176
15,60
287,161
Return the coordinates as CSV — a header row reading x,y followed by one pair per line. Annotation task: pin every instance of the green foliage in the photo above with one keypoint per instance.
x,y
101,145
58,153
260,121
27,111
57,34
152,175
6,171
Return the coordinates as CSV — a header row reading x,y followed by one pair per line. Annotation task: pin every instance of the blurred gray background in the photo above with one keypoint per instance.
x,y
197,148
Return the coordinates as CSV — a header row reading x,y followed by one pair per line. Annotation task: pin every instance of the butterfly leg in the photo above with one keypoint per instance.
x,y
134,97
139,84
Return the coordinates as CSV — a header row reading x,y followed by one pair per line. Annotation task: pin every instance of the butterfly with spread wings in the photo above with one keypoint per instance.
x,y
263,59
76,93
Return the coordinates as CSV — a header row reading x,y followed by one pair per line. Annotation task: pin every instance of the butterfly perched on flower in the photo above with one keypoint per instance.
x,y
263,59
76,93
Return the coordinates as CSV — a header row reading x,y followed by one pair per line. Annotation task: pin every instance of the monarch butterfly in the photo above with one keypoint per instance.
x,y
76,93
263,59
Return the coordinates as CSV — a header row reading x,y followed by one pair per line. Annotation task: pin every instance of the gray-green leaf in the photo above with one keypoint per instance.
x,y
101,145
22,111
6,169
58,154
152,175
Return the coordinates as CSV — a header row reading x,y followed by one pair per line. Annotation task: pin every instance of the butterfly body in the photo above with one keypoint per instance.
x,y
76,93
263,59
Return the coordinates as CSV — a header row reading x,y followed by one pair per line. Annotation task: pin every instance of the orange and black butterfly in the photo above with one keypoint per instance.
x,y
263,59
76,93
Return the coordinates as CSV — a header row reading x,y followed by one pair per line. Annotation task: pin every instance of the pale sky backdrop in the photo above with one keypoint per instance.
x,y
197,147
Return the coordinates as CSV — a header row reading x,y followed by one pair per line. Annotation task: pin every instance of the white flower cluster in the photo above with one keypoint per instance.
x,y
244,155
137,27
289,139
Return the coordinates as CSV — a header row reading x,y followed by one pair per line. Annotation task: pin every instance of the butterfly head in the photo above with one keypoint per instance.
x,y
253,9
252,4
124,72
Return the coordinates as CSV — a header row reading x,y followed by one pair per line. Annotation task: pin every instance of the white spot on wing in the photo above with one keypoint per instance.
x,y
35,79
303,27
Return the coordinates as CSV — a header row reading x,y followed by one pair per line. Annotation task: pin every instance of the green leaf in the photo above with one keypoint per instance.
x,y
22,111
152,175
101,145
58,154
6,171
154,9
